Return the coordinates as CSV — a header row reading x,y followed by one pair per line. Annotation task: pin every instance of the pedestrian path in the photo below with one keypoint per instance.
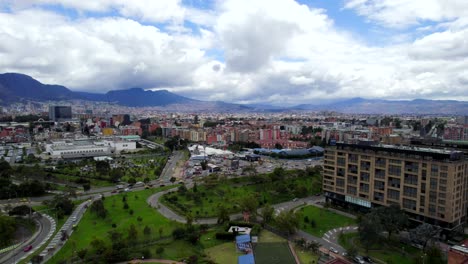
x,y
332,235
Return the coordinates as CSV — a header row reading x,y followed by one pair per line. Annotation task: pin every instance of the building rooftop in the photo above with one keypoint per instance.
x,y
438,154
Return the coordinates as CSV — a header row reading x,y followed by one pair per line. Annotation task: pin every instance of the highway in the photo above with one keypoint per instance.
x,y
44,230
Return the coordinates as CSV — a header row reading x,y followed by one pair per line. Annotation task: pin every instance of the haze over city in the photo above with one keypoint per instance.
x,y
281,52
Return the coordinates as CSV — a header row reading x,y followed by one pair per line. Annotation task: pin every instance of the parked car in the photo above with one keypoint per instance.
x,y
359,259
367,259
27,248
114,191
332,249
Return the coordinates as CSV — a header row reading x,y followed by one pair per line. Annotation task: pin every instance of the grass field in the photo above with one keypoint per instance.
x,y
305,257
388,252
205,201
225,253
273,253
92,227
324,220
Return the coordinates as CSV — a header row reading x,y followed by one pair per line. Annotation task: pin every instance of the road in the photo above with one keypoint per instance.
x,y
171,164
45,228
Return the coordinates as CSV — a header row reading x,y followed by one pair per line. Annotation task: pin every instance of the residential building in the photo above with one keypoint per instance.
x,y
431,185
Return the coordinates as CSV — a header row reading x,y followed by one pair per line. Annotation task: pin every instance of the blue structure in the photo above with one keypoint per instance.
x,y
246,259
243,243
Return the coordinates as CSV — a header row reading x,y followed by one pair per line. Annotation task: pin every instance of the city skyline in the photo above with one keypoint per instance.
x,y
243,52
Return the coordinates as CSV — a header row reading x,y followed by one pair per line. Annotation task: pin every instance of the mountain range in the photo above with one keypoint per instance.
x,y
15,87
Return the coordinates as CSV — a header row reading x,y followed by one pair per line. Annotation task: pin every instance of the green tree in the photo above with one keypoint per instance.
x,y
267,213
222,214
97,207
369,230
147,231
102,167
249,204
132,233
392,218
7,230
287,221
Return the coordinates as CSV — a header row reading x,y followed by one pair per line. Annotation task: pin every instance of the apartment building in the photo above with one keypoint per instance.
x,y
431,185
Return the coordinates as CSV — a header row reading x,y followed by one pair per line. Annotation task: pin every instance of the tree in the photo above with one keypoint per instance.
x,y
98,208
147,231
160,231
249,204
7,230
287,221
434,255
20,210
267,213
423,234
369,230
223,214
313,246
352,251
172,179
132,233
82,253
102,167
392,218
146,180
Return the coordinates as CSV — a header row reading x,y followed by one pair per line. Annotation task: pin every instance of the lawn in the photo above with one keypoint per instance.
x,y
305,257
205,200
273,253
92,227
389,252
225,253
324,220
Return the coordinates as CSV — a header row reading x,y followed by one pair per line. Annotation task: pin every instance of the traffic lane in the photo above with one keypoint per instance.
x,y
19,253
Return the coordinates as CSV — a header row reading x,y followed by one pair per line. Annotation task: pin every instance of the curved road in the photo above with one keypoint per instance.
x,y
45,228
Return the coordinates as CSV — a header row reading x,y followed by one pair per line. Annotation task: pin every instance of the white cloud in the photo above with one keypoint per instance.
x,y
242,51
403,13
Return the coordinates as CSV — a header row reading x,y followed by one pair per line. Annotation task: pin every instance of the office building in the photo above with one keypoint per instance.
x,y
431,185
60,113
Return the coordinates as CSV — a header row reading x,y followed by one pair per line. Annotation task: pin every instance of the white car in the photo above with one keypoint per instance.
x,y
332,249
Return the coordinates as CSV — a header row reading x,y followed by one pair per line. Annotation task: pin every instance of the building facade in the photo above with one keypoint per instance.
x,y
60,113
431,185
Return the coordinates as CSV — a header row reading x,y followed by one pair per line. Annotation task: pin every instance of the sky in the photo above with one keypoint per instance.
x,y
279,52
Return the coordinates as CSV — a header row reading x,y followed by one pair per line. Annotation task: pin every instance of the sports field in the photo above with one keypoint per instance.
x,y
273,253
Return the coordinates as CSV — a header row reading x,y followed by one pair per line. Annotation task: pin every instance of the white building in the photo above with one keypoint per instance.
x,y
87,148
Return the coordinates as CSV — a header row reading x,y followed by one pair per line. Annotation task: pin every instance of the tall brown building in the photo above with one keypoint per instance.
x,y
431,185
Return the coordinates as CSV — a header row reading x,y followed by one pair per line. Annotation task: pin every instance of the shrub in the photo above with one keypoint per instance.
x,y
225,236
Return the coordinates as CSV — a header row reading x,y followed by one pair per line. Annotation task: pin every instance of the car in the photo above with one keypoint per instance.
x,y
114,191
295,199
73,218
359,259
127,189
27,248
367,259
332,249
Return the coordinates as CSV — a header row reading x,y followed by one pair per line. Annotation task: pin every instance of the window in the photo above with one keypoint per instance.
x,y
365,176
380,162
365,165
394,182
379,174
341,161
394,170
379,185
340,182
351,190
409,204
364,187
393,194
411,179
433,184
410,191
378,196
434,170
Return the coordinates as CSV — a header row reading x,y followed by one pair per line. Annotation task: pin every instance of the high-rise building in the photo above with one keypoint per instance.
x,y
60,113
431,185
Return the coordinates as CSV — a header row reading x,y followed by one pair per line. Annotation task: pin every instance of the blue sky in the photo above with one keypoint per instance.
x,y
247,51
